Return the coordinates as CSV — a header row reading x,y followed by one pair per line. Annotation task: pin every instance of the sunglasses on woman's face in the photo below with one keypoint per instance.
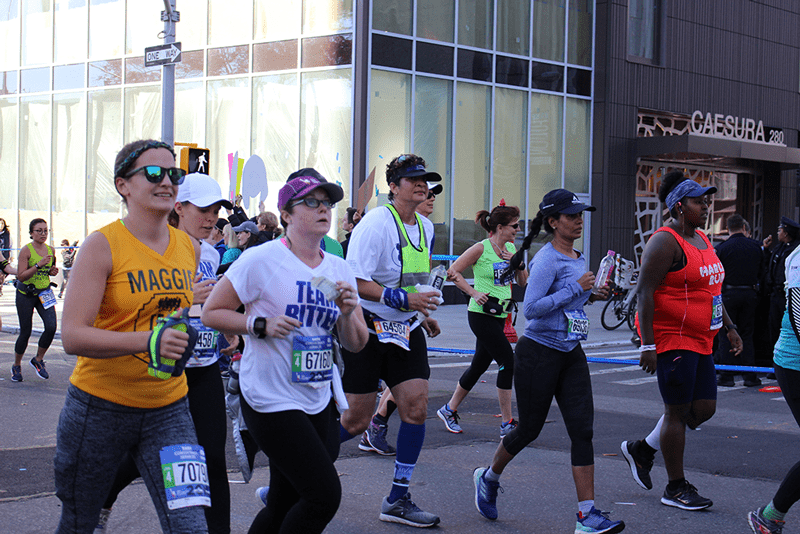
x,y
155,174
515,226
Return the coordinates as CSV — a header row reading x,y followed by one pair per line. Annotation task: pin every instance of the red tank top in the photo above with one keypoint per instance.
x,y
688,303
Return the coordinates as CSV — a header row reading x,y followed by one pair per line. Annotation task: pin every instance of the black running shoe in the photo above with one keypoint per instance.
x,y
685,498
639,461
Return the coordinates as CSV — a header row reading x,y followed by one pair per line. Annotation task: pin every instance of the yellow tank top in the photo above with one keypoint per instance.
x,y
143,286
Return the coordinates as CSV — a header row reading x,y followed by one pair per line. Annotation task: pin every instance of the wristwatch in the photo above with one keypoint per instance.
x,y
260,327
730,327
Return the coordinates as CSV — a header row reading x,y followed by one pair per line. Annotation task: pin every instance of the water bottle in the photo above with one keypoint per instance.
x,y
604,272
438,276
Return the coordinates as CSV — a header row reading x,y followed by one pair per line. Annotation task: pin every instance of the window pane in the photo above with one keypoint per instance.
x,y
69,77
435,59
104,125
144,24
644,28
279,55
513,23
510,146
545,154
330,16
190,110
69,176
142,113
72,30
228,122
136,72
228,60
276,20
392,16
581,20
547,76
35,80
105,73
9,35
106,29
391,51
475,20
8,83
390,123
229,21
433,120
9,116
193,28
511,71
548,30
276,129
436,20
578,131
474,65
326,115
34,193
472,167
579,82
327,51
37,32
191,65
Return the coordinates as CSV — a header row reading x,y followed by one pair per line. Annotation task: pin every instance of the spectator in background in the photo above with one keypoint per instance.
x,y
267,223
217,238
5,252
349,222
741,258
68,254
775,276
232,249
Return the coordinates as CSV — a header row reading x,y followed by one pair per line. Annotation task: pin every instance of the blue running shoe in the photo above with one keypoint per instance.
x,y
596,521
505,428
485,494
16,373
262,493
39,366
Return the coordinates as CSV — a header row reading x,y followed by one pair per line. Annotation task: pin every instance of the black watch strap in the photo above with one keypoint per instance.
x,y
730,327
260,327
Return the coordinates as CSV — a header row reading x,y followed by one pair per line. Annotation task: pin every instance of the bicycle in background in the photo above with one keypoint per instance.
x,y
621,304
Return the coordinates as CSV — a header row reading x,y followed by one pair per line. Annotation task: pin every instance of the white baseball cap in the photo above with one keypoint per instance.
x,y
202,191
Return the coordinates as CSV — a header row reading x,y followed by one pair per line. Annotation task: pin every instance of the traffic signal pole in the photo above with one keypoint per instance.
x,y
170,17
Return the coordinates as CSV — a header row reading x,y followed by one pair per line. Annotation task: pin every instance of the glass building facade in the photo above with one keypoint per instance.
x,y
496,95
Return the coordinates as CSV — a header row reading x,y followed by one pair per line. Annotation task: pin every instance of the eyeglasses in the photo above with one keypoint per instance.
x,y
155,174
40,231
431,195
312,203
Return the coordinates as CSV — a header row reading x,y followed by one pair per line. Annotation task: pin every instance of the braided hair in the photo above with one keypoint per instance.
x,y
534,228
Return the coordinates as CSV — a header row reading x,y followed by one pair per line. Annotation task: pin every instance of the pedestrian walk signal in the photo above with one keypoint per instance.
x,y
192,158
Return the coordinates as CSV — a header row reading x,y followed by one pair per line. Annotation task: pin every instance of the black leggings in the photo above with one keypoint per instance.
x,y
304,488
789,491
207,406
540,374
25,306
491,343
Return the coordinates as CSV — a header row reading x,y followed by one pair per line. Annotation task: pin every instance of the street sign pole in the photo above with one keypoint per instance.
x,y
170,17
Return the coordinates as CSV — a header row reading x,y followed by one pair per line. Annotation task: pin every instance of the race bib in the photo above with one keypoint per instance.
x,y
312,360
393,332
716,313
47,298
577,325
185,476
498,268
205,349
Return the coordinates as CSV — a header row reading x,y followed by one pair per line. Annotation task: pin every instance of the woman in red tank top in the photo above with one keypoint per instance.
x,y
679,312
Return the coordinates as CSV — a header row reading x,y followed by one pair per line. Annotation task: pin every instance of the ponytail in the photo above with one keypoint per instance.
x,y
517,259
482,219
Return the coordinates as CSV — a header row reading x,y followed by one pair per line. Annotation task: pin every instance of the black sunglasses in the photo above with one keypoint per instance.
x,y
312,202
155,174
431,195
515,226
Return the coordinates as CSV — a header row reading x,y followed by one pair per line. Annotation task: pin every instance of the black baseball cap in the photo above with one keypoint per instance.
x,y
786,222
562,201
221,222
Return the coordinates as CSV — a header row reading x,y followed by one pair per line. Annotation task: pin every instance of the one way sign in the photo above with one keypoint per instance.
x,y
162,54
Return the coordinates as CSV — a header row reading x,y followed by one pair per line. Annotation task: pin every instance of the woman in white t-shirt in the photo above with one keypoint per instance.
x,y
287,367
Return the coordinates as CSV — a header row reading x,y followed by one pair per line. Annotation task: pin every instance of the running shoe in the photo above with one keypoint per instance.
x,y
102,520
505,428
596,521
262,493
374,440
404,511
16,373
450,418
639,461
762,525
39,366
485,494
685,498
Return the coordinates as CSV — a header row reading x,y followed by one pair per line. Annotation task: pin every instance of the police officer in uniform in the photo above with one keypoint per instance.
x,y
788,233
741,257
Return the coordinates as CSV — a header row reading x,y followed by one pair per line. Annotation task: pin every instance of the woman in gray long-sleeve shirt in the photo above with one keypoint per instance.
x,y
549,361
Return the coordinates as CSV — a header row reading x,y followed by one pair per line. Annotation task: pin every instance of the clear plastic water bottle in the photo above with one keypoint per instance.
x,y
438,276
604,272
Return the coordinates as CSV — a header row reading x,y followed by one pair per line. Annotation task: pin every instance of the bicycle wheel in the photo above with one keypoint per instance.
x,y
632,314
613,314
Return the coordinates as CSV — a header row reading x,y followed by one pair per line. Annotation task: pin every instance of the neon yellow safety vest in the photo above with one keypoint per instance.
x,y
415,262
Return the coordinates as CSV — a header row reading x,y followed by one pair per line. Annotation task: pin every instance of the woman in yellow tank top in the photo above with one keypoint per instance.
x,y
127,277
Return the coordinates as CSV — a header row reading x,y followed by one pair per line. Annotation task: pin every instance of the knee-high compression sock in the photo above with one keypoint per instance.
x,y
409,444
